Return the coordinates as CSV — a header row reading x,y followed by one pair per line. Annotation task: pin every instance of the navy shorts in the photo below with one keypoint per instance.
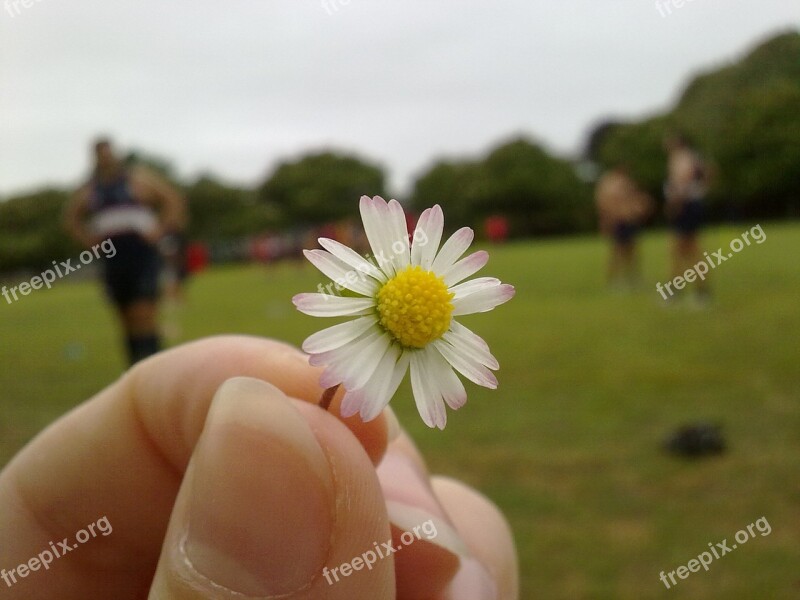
x,y
689,219
132,274
624,233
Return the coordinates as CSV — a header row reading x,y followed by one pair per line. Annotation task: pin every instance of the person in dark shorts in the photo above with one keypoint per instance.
x,y
684,192
133,207
622,207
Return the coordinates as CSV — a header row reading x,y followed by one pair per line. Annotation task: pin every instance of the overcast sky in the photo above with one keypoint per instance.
x,y
234,86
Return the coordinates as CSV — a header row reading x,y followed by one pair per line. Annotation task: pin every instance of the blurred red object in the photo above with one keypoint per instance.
x,y
496,229
196,257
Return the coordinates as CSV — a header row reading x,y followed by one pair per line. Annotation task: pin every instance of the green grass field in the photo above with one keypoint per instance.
x,y
590,383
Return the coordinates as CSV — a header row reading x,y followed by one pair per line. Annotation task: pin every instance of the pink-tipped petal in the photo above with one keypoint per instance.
x,y
351,403
477,350
483,300
452,249
464,364
375,215
328,305
398,236
427,236
473,285
466,267
433,231
450,385
384,383
465,332
329,378
427,396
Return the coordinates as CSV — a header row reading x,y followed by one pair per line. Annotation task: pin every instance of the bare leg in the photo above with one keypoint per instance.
x,y
616,263
629,261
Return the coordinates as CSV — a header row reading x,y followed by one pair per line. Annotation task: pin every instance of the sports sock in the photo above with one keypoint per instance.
x,y
142,346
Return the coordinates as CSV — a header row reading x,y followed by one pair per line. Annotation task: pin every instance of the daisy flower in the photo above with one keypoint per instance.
x,y
404,301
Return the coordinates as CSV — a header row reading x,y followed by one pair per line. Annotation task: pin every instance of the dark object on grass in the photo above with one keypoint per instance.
x,y
695,440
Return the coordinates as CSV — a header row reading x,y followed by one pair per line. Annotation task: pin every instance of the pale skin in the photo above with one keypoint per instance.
x,y
139,318
680,176
619,199
137,452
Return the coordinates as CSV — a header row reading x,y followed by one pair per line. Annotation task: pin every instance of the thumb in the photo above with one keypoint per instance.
x,y
277,493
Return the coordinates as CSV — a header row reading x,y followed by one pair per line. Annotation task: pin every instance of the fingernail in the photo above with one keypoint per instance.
x,y
260,515
473,581
427,526
392,425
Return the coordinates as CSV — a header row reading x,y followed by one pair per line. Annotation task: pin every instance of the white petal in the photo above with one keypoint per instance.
x,y
328,305
474,285
337,336
471,344
371,399
365,363
399,236
341,273
452,249
351,403
352,258
383,386
426,393
427,236
466,267
449,384
345,351
353,363
483,300
375,214
464,364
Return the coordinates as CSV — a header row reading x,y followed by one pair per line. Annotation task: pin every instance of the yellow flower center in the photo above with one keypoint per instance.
x,y
415,307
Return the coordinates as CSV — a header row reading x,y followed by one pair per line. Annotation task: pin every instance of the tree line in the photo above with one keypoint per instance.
x,y
745,118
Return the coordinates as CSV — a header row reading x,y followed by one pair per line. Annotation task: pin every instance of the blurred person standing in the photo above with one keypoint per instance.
x,y
135,208
622,207
684,192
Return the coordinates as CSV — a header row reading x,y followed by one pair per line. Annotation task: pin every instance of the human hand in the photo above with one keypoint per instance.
x,y
211,488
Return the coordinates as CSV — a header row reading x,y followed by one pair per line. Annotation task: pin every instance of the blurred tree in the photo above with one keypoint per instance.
x,y
760,158
598,134
453,185
640,146
321,187
743,118
31,233
219,212
154,163
540,193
